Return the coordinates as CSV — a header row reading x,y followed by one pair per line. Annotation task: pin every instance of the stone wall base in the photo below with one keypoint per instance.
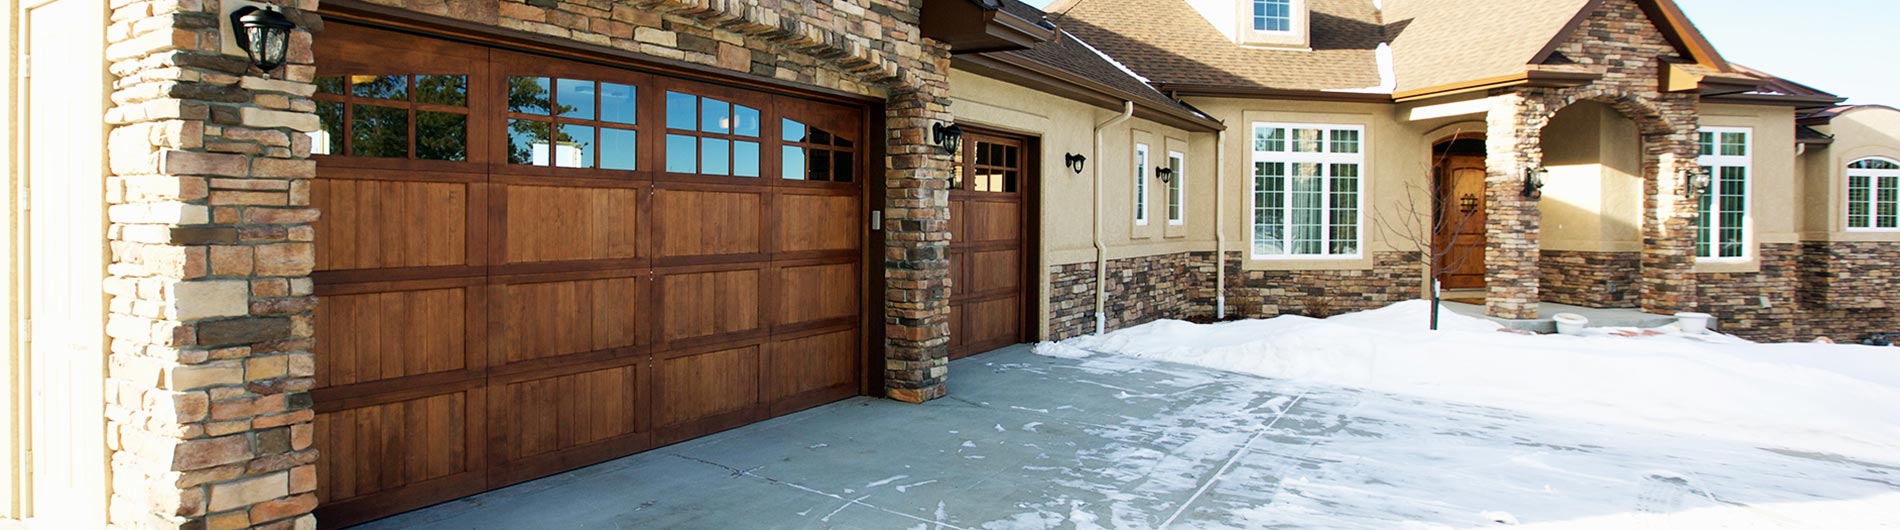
x,y
1590,279
1815,289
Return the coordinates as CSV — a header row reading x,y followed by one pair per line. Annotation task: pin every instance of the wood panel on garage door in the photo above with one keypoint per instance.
x,y
530,264
988,254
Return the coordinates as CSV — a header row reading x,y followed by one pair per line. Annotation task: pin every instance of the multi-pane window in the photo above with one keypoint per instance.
x,y
988,164
1873,195
1306,190
709,136
1273,15
811,153
421,117
1722,227
1177,200
1141,184
572,123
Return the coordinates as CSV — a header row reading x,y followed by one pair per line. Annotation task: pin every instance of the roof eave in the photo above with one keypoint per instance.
x,y
1229,91
970,27
1798,102
1062,83
1530,78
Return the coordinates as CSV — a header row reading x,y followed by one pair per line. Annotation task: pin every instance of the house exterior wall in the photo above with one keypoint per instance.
x,y
13,378
210,417
1067,251
1846,280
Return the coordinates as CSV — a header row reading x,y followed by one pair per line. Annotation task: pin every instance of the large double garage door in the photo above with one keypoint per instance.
x,y
529,264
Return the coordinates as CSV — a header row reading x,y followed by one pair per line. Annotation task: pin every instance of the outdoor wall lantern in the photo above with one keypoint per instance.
x,y
1698,179
1166,173
949,137
1075,162
1534,181
264,34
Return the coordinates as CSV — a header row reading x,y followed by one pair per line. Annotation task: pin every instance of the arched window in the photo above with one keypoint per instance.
x,y
1873,194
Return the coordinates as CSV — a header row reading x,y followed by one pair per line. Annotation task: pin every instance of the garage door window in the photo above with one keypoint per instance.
x,y
392,116
572,123
711,137
811,153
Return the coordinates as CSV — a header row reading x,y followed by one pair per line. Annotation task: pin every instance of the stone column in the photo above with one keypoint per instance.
x,y
916,251
1512,220
208,409
1669,222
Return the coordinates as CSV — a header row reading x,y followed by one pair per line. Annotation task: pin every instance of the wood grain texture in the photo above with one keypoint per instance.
x,y
374,224
710,303
708,384
817,222
815,293
551,319
704,223
547,223
573,410
384,447
813,363
380,336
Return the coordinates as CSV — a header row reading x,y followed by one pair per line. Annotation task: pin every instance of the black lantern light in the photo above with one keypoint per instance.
x,y
1075,162
1699,179
1534,181
264,34
949,137
1166,173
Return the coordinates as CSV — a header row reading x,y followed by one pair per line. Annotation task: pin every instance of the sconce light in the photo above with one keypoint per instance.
x,y
1534,181
1075,162
1166,173
949,137
1698,179
264,34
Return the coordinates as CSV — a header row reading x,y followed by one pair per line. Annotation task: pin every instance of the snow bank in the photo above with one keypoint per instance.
x,y
1836,399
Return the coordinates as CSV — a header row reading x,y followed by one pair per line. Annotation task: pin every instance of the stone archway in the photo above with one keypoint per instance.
x,y
1516,122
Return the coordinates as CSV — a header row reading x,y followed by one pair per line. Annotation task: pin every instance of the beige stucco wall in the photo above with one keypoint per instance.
x,y
1774,210
1593,196
1067,126
1860,133
1397,160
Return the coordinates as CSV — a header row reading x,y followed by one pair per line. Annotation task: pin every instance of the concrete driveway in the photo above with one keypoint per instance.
x,y
1027,441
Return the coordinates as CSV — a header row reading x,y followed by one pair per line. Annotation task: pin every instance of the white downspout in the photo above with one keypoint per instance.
x,y
1101,249
1220,225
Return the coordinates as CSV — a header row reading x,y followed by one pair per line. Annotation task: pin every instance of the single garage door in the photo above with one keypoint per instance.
x,y
988,255
529,264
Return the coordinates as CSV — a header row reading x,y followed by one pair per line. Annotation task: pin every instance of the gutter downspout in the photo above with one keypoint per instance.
x,y
1220,225
1101,249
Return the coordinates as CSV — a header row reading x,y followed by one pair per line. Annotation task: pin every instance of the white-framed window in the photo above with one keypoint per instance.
x,y
1722,227
1272,15
1873,195
1177,197
1306,190
1141,184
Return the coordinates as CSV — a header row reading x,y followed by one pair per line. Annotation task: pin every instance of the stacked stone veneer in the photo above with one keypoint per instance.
x,y
1181,285
1140,290
1589,279
1627,50
1840,290
208,414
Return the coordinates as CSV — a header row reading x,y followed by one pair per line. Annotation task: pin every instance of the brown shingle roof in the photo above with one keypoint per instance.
x,y
1169,43
1442,42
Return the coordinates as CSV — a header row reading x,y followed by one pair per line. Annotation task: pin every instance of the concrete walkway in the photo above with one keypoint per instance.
x,y
1027,441
1599,318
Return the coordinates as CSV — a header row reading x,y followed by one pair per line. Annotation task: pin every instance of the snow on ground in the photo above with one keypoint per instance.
x,y
1832,399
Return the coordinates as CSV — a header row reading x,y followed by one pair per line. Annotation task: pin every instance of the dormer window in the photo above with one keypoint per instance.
x,y
1273,15
1272,23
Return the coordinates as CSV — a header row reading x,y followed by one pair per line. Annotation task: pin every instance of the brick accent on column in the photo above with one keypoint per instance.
x,y
208,414
1620,43
917,244
1590,279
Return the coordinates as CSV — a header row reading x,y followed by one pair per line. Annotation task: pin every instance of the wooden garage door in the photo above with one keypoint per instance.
x,y
987,243
529,264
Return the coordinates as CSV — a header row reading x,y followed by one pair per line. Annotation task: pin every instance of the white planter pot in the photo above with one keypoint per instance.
x,y
1570,323
1694,323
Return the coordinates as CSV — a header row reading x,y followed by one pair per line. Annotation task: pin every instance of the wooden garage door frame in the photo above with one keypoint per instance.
x,y
485,281
964,268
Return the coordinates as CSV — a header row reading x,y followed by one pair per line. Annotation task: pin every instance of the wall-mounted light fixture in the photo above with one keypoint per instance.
x,y
1698,179
1534,181
1165,173
1075,162
949,137
264,34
